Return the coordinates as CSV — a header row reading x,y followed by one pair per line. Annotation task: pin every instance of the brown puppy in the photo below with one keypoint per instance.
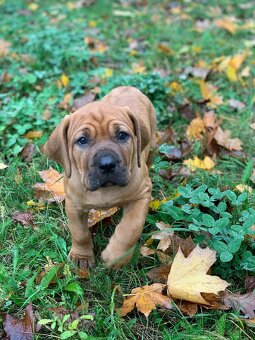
x,y
104,148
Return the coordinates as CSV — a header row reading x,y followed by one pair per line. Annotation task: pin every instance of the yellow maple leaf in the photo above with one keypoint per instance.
x,y
188,276
197,163
195,128
145,299
176,87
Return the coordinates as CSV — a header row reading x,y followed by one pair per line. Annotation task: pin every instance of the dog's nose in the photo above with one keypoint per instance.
x,y
107,163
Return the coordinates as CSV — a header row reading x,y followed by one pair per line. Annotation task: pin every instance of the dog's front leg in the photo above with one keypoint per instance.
x,y
121,245
81,252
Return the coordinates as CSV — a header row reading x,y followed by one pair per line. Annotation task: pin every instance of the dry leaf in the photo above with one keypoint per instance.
x,y
3,166
165,49
82,101
24,218
244,303
4,48
95,45
28,152
249,283
53,188
145,299
66,103
227,24
138,68
196,163
236,104
21,329
33,134
188,276
223,139
96,216
208,92
159,274
189,308
195,128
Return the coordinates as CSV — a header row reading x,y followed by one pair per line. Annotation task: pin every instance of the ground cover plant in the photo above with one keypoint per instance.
x,y
195,61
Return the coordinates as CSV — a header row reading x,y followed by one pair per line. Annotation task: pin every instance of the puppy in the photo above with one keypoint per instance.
x,y
104,148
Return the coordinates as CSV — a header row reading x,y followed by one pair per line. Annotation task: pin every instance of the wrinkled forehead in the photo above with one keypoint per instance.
x,y
99,116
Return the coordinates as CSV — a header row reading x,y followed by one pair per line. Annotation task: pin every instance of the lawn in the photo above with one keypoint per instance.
x,y
195,61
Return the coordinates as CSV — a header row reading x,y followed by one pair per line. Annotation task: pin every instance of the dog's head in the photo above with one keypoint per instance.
x,y
103,141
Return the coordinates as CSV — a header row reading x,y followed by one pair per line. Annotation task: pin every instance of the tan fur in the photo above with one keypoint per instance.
x,y
129,108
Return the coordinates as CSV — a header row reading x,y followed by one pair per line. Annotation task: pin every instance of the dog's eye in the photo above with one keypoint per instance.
x,y
83,140
122,136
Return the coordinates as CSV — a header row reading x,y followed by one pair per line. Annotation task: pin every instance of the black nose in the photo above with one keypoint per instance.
x,y
107,163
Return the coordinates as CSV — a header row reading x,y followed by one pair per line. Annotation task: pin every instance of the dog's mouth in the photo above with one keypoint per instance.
x,y
95,181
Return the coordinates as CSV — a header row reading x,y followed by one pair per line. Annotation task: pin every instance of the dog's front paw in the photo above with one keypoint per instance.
x,y
116,258
82,261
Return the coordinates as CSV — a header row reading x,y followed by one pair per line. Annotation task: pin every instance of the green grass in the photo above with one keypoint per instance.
x,y
53,38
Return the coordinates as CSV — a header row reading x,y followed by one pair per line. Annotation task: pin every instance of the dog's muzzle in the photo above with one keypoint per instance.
x,y
106,169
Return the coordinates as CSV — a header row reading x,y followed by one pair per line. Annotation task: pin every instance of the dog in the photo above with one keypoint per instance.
x,y
105,150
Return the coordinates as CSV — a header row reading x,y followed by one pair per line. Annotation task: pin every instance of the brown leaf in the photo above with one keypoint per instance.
x,y
24,218
28,152
166,136
96,216
82,101
249,283
145,299
95,45
66,103
53,188
21,329
189,308
223,138
244,303
159,274
61,311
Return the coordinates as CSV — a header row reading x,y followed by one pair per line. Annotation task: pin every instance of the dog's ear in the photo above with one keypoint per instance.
x,y
141,132
56,147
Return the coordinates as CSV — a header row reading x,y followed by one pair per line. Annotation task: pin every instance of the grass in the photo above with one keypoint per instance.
x,y
47,41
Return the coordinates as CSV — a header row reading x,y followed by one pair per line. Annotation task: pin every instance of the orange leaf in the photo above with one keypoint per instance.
x,y
195,128
145,299
227,24
33,134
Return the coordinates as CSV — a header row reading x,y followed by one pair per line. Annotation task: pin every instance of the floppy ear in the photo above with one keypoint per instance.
x,y
57,146
142,135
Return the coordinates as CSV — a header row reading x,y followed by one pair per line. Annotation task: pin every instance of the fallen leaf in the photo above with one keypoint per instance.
x,y
159,274
244,303
252,126
33,134
66,103
82,101
165,49
195,128
3,166
236,104
189,308
95,45
53,188
24,218
206,164
226,24
21,329
208,92
249,283
145,299
4,48
244,187
33,6
223,139
138,68
53,191
96,216
28,152
175,87
198,72
188,276
64,80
